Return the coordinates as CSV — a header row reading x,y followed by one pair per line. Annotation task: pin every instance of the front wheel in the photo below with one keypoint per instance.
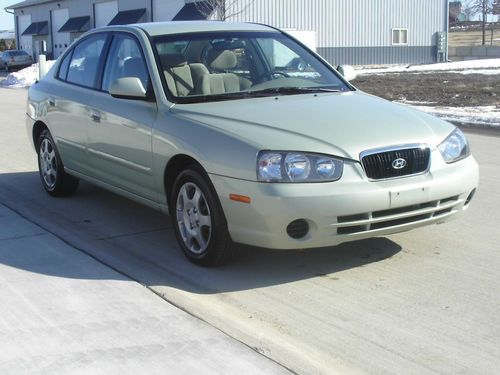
x,y
54,179
199,222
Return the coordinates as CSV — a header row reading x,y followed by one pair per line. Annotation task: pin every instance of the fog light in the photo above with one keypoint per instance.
x,y
297,229
469,198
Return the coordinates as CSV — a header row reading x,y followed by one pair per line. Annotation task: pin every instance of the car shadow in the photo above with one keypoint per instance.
x,y
139,242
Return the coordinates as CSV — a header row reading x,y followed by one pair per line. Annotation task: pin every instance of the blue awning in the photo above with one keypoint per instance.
x,y
194,12
127,17
76,25
37,28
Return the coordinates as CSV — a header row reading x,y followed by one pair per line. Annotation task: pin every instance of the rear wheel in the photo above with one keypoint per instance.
x,y
199,222
54,179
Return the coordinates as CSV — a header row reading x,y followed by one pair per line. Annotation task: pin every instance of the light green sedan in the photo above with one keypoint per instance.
x,y
243,135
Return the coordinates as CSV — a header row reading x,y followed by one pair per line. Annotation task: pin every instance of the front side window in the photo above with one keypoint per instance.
x,y
85,61
237,65
125,60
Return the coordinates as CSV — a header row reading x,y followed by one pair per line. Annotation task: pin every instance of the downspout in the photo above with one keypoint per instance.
x,y
447,22
51,37
16,27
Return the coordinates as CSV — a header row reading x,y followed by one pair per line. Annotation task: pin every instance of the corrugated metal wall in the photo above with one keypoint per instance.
x,y
355,31
348,31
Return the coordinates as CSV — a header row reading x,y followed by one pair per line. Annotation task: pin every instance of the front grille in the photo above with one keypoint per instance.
x,y
380,165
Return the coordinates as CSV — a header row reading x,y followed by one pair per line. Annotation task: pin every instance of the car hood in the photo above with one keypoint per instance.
x,y
341,124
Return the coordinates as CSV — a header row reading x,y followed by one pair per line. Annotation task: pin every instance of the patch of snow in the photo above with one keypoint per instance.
x,y
25,77
486,66
481,115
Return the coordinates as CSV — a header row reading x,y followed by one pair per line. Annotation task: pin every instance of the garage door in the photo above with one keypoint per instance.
x,y
104,12
26,42
60,40
164,12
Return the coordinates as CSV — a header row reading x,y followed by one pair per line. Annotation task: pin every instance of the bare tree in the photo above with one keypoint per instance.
x,y
222,9
483,7
496,8
468,11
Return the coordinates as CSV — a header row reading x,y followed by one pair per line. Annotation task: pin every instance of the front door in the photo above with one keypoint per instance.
x,y
120,130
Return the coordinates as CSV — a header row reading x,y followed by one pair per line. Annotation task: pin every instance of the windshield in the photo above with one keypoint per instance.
x,y
234,65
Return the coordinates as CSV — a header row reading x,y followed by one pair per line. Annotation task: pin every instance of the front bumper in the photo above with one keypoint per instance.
x,y
350,209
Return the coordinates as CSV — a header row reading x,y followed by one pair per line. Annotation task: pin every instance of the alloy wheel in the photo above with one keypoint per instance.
x,y
48,163
193,218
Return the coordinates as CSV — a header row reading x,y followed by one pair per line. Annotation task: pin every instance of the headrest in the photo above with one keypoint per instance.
x,y
173,60
222,60
133,65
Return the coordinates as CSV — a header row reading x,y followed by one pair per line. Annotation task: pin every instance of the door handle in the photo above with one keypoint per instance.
x,y
52,102
95,116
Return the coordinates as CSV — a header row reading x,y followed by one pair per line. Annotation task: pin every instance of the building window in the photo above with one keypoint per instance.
x,y
399,37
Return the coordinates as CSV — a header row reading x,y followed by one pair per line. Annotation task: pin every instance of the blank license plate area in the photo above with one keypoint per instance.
x,y
409,196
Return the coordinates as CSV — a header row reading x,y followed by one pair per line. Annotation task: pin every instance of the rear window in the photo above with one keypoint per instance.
x,y
17,53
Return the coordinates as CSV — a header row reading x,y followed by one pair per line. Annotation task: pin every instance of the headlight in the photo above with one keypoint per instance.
x,y
297,167
455,147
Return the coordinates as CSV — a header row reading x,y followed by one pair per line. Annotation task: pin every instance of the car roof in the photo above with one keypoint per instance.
x,y
179,27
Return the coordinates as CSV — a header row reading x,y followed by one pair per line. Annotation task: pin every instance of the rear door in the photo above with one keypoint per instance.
x,y
119,134
68,115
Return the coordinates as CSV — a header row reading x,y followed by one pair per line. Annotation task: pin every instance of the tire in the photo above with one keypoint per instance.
x,y
198,219
51,169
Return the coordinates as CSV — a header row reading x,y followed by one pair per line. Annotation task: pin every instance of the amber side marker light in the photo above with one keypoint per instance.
x,y
240,198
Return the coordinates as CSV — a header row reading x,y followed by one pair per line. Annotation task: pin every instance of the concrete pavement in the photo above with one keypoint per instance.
x,y
63,312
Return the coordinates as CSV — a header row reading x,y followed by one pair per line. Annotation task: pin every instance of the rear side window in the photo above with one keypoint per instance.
x,y
125,60
85,61
63,70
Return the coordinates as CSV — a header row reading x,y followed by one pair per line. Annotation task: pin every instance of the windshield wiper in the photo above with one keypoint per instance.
x,y
216,97
255,94
292,90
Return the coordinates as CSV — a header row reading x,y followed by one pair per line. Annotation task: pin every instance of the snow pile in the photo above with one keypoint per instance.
x,y
488,116
25,77
486,66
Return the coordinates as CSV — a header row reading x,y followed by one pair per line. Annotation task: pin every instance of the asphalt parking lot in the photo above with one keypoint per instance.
x,y
420,302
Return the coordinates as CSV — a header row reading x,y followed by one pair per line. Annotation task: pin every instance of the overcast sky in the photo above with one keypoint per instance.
x,y
6,19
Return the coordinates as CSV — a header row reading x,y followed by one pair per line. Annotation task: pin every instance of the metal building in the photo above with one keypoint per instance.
x,y
347,31
359,31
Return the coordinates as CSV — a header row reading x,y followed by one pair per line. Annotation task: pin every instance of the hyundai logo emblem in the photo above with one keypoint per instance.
x,y
399,163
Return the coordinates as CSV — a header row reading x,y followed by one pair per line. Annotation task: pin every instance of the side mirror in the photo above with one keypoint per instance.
x,y
348,72
128,88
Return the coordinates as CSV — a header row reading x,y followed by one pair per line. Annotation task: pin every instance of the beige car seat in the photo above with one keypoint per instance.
x,y
220,83
183,79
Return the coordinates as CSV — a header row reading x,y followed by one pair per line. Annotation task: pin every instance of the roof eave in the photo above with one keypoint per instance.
x,y
24,4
